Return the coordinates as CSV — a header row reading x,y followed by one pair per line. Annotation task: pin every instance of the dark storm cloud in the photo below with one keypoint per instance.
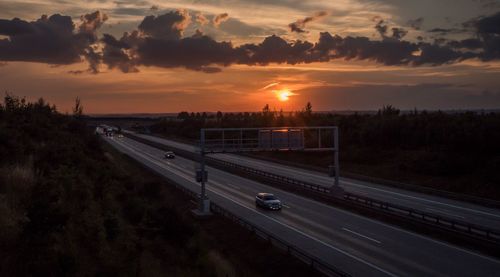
x,y
488,25
486,37
53,40
159,41
299,25
166,26
398,33
275,50
416,23
470,43
488,30
381,27
92,21
445,31
387,51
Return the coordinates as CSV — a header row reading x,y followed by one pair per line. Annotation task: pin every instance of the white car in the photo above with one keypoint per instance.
x,y
267,201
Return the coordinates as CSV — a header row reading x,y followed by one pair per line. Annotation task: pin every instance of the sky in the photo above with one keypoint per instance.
x,y
148,56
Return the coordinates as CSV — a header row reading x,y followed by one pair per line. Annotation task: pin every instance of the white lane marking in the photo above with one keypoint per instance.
x,y
278,167
232,191
423,199
360,185
228,197
386,225
361,235
233,186
286,206
444,212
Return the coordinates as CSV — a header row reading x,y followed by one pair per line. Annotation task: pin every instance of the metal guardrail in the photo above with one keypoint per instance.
x,y
406,186
414,215
455,225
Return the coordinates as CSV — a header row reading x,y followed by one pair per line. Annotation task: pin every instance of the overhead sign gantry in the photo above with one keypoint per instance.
x,y
234,140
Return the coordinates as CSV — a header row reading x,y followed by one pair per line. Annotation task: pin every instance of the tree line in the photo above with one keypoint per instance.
x,y
431,143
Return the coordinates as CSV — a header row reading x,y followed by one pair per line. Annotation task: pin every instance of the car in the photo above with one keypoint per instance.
x,y
169,155
267,201
120,135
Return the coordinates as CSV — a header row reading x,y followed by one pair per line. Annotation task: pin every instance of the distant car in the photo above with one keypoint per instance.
x,y
267,201
120,135
169,155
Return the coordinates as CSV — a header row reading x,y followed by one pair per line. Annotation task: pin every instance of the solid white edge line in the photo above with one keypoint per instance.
x,y
285,168
387,225
272,219
361,235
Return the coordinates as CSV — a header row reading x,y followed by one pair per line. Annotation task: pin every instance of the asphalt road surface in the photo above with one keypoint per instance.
x,y
357,245
476,214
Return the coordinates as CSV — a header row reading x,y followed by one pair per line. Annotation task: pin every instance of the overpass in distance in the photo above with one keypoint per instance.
x,y
356,244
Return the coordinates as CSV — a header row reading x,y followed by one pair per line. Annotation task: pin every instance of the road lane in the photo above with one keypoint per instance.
x,y
380,248
468,212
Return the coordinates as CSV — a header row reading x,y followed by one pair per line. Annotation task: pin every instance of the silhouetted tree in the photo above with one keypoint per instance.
x,y
308,109
78,108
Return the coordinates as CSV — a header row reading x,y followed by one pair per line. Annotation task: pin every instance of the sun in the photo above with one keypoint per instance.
x,y
283,95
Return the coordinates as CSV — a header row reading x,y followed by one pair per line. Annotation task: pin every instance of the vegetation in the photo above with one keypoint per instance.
x,y
457,152
70,205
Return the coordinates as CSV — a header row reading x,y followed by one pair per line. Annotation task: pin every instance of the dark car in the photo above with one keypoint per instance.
x,y
169,155
267,201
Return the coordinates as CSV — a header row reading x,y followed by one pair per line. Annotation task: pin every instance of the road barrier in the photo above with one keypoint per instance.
x,y
411,187
416,216
314,262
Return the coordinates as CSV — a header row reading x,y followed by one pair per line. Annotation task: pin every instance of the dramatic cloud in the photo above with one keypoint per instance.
x,y
159,41
218,19
52,40
445,31
381,27
486,41
166,26
416,23
398,33
488,25
488,30
201,19
299,25
470,43
91,22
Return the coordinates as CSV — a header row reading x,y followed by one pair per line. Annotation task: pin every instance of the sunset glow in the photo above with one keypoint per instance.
x,y
169,56
284,95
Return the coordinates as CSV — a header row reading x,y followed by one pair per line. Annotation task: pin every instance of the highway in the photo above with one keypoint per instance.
x,y
476,214
357,245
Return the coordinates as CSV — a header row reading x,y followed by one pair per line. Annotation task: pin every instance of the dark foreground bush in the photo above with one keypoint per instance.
x,y
64,208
